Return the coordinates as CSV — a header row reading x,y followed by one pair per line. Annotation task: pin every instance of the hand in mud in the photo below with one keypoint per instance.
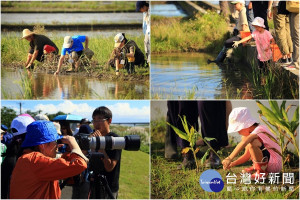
x,y
56,73
235,44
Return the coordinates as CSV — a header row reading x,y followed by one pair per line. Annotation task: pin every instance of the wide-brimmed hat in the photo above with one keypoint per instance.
x,y
41,117
67,42
40,132
118,39
238,1
258,21
240,118
20,124
27,33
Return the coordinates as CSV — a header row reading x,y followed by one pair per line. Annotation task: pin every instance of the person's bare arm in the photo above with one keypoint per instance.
x,y
236,43
86,42
60,62
33,57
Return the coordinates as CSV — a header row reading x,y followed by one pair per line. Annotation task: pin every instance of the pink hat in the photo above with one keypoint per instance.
x,y
20,123
258,21
240,118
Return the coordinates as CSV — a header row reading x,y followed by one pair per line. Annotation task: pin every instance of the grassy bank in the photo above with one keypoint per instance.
x,y
67,6
134,175
203,32
167,182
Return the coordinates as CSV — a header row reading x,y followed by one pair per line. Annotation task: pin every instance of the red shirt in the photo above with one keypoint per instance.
x,y
36,176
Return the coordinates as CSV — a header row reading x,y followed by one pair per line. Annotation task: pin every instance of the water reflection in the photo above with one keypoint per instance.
x,y
177,76
47,86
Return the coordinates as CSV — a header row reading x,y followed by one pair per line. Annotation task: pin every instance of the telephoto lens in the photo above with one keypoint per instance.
x,y
129,142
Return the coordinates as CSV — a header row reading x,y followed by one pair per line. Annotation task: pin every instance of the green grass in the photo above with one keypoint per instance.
x,y
67,6
134,175
14,50
203,32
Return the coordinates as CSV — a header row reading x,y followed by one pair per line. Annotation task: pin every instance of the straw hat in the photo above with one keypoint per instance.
x,y
240,118
258,21
27,33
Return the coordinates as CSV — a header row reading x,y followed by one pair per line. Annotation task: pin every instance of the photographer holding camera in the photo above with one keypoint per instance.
x,y
102,118
37,171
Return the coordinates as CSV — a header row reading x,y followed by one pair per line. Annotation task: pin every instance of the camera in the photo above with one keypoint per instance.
x,y
129,142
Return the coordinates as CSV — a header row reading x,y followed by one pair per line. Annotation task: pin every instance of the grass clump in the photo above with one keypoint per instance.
x,y
203,32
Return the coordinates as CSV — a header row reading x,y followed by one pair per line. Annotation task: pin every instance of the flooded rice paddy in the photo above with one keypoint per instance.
x,y
70,18
187,75
73,86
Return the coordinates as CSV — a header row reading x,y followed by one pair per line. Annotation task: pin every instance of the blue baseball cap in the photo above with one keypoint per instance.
x,y
40,132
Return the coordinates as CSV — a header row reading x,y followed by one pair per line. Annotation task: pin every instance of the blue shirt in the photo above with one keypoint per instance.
x,y
77,45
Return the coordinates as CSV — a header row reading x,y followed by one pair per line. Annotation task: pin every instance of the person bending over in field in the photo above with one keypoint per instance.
x,y
40,46
126,53
73,45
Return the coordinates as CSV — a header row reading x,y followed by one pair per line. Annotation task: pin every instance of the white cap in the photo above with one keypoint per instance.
x,y
20,123
67,42
238,1
41,117
258,21
240,118
118,39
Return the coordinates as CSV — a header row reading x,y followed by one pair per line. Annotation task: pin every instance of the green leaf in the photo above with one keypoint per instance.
x,y
275,108
284,114
209,139
185,124
204,156
179,132
296,115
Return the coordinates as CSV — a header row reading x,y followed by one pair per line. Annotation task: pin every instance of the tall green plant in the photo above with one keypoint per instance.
x,y
191,135
278,122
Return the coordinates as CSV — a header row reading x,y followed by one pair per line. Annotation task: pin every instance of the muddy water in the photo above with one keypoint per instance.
x,y
48,86
70,18
174,76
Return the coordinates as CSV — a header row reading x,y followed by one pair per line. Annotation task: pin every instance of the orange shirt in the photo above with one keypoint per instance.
x,y
36,176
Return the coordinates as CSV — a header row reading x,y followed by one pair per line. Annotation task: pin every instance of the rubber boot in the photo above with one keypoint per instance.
x,y
260,167
213,161
221,56
132,68
188,161
128,68
248,170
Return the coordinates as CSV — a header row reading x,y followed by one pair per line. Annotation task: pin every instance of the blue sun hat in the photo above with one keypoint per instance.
x,y
40,132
